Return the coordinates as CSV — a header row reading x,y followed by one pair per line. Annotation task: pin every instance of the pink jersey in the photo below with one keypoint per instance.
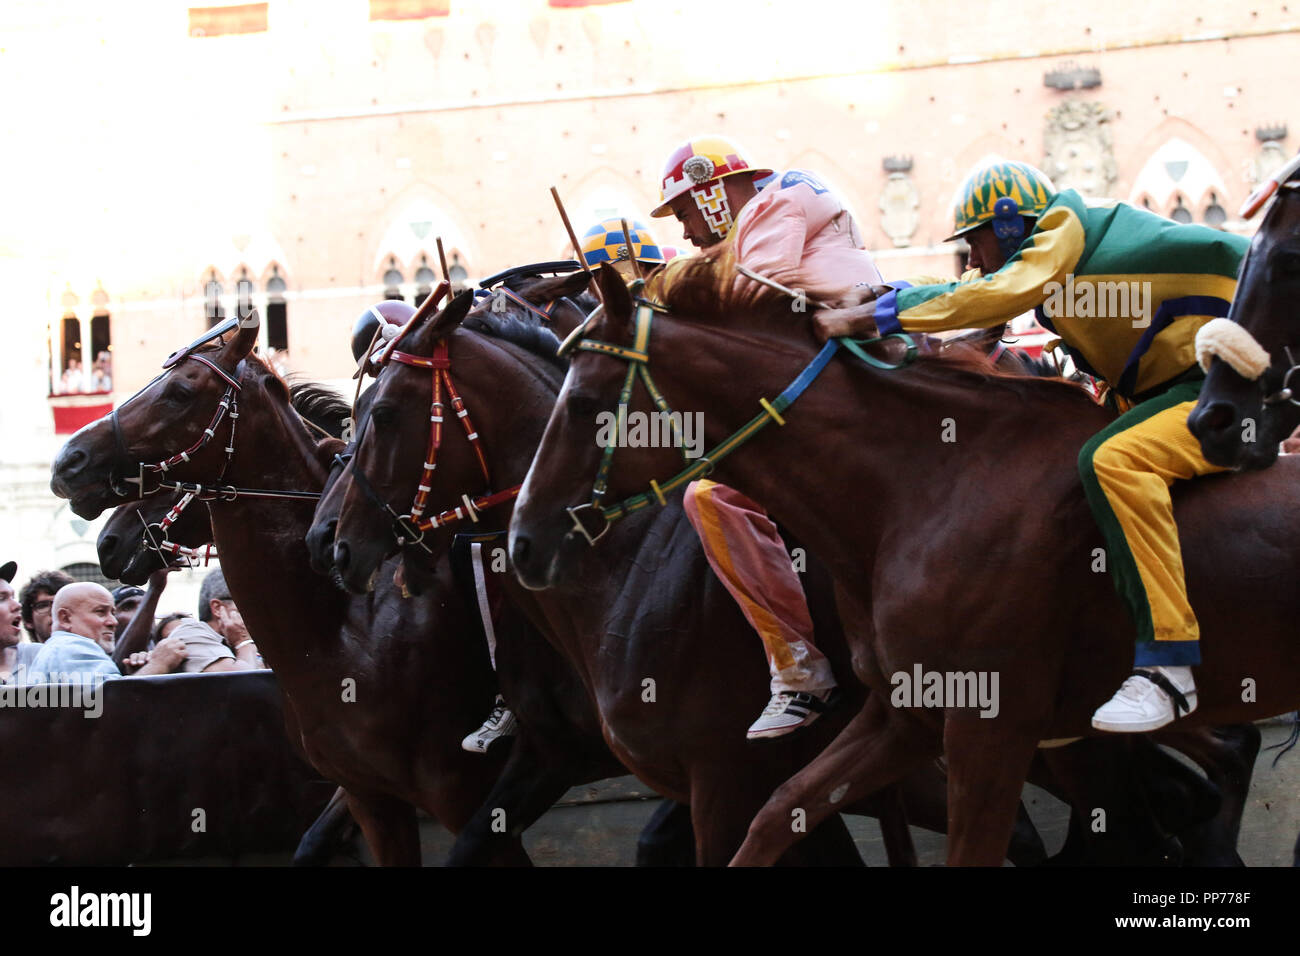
x,y
797,232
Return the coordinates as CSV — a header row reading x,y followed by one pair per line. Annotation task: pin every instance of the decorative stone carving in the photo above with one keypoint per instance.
x,y
1078,150
1272,154
899,202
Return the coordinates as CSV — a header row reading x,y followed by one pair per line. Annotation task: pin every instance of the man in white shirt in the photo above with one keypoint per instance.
x,y
85,626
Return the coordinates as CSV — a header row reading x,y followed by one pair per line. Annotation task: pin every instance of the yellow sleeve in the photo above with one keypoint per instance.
x,y
1052,251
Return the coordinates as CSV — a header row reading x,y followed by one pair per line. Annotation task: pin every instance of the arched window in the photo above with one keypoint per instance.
x,y
101,354
277,312
69,375
457,274
1180,212
1215,215
393,280
212,308
424,280
243,294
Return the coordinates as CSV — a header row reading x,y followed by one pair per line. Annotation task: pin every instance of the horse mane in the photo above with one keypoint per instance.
x,y
704,288
530,336
319,405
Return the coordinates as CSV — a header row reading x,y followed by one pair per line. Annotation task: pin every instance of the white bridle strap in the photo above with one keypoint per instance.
x,y
1229,341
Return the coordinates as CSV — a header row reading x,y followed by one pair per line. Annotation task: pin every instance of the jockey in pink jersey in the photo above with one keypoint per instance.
x,y
791,228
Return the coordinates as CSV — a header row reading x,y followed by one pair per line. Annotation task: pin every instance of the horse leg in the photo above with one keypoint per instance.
x,y
1227,755
389,826
326,834
899,849
534,777
875,749
986,775
667,839
925,801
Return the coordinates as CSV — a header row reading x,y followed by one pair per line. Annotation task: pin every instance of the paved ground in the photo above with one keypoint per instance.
x,y
598,825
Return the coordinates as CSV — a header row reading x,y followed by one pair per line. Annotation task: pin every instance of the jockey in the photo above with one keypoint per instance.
x,y
604,242
1038,248
793,229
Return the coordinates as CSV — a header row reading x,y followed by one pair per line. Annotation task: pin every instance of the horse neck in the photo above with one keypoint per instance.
x,y
510,444
872,452
287,607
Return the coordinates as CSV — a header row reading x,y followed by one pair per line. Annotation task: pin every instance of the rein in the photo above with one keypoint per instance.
x,y
410,528
638,359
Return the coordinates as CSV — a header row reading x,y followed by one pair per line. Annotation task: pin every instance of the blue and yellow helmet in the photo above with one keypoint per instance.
x,y
604,242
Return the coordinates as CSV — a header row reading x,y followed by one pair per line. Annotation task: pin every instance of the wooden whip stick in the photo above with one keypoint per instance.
x,y
577,248
631,252
442,257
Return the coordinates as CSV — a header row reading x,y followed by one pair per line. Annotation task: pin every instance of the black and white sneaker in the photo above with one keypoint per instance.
x,y
788,710
500,723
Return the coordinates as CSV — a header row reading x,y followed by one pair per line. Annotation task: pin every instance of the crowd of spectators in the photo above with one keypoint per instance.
x,y
98,378
79,632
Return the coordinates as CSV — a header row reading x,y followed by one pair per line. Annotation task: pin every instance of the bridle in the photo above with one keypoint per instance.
x,y
125,463
410,527
227,409
638,359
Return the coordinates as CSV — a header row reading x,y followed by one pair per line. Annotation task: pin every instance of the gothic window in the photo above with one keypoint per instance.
x,y
212,307
393,280
277,312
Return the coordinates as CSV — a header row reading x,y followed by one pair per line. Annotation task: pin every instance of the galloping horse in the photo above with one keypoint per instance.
x,y
382,689
918,488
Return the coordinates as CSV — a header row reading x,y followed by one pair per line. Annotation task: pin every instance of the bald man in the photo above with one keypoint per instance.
x,y
78,651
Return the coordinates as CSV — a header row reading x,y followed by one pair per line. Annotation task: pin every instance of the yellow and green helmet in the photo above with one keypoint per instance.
x,y
977,198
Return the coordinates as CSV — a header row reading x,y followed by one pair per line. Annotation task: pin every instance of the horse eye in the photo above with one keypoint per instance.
x,y
383,415
177,391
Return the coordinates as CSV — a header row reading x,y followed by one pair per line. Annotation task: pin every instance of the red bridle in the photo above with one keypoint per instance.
x,y
440,365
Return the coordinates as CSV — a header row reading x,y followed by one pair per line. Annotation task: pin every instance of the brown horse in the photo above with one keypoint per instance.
x,y
645,621
1241,421
918,488
382,689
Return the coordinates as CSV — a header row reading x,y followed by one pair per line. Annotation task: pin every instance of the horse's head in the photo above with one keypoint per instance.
x,y
576,470
564,298
167,429
136,540
1243,414
320,536
383,487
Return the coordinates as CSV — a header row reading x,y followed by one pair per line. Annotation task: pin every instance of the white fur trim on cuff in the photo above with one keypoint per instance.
x,y
1230,342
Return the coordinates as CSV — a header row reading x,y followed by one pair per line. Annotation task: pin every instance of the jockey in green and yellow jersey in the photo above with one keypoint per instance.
x,y
1126,290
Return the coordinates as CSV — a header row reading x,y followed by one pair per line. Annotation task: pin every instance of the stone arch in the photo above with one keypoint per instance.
x,y
605,192
413,223
1178,157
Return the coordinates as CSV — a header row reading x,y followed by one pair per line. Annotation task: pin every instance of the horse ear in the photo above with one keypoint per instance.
x,y
239,347
613,290
573,284
446,321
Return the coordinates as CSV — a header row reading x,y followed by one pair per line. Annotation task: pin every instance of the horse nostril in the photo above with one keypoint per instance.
x,y
71,462
520,552
1212,420
341,555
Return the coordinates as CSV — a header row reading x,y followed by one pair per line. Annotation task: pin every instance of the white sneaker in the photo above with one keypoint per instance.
x,y
789,710
500,723
1150,699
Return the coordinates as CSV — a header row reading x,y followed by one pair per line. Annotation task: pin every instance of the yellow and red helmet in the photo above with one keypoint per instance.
x,y
703,160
